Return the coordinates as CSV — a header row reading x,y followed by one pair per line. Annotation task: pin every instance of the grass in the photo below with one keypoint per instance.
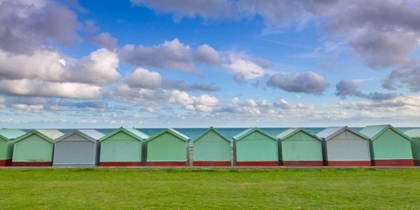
x,y
209,189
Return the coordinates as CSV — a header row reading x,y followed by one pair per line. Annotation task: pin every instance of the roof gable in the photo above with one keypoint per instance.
x,y
171,131
375,131
45,134
292,131
90,135
136,134
215,131
247,132
331,132
413,133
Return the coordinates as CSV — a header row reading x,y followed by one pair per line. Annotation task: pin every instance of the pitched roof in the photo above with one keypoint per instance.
x,y
171,131
11,133
246,132
413,133
52,134
214,130
48,135
91,135
136,134
291,131
374,131
331,132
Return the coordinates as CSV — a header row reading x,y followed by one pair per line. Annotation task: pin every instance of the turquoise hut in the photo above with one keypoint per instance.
x,y
167,148
123,147
6,144
299,147
212,149
254,147
389,146
35,148
415,144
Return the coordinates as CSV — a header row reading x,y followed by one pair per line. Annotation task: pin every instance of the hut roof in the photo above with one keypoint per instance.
x,y
291,131
413,133
91,135
136,134
48,135
171,131
212,129
246,132
8,134
331,132
374,131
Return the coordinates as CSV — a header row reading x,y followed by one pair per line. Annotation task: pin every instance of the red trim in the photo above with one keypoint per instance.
x,y
417,162
257,163
392,162
31,163
120,164
6,162
303,163
212,163
167,163
349,163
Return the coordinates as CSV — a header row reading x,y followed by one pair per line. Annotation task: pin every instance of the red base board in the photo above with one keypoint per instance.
x,y
31,163
167,163
417,162
303,163
122,164
257,163
6,162
392,162
212,163
349,163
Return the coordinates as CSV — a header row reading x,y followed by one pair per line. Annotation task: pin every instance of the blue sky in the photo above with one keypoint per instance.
x,y
192,63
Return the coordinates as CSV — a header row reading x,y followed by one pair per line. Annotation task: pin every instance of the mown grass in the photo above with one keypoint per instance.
x,y
209,189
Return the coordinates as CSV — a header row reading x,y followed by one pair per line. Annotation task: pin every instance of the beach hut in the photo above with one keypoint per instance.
x,y
167,148
6,144
123,147
343,146
77,148
389,146
211,148
35,148
415,144
254,147
299,147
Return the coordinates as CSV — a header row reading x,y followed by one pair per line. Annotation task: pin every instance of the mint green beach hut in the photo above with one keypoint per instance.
x,y
212,148
299,147
35,148
6,144
123,147
414,134
389,146
254,147
167,148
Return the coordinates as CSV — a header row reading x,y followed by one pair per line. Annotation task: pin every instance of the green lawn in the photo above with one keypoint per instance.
x,y
209,189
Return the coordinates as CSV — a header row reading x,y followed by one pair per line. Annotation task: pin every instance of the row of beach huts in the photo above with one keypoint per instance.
x,y
381,145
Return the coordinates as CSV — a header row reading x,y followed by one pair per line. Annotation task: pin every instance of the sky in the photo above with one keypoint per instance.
x,y
199,63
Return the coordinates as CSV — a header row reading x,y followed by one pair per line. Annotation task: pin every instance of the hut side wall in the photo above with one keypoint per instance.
x,y
5,149
74,150
391,145
121,148
167,147
301,147
256,147
347,147
211,147
33,149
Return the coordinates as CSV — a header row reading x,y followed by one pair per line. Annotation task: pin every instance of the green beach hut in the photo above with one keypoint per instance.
x,y
212,148
254,147
123,147
415,144
299,147
167,148
389,146
6,144
35,148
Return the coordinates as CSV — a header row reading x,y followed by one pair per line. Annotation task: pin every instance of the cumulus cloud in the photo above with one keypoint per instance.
x,y
408,76
103,40
143,78
349,88
243,67
172,55
239,77
184,86
308,82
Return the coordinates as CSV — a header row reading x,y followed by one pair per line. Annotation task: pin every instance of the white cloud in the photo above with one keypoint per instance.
x,y
235,100
144,78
